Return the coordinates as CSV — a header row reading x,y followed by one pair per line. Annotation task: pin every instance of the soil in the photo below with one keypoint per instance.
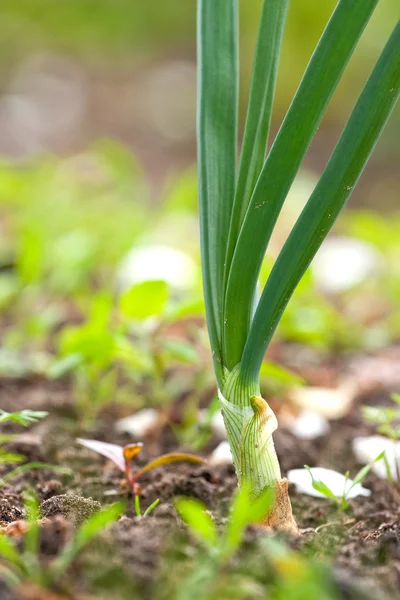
x,y
362,545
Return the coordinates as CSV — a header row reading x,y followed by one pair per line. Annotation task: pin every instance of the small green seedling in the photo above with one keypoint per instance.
x,y
387,419
217,548
245,510
22,562
122,457
127,338
148,510
90,352
215,570
24,417
342,500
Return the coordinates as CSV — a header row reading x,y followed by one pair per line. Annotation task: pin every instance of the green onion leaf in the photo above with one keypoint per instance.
x,y
328,198
217,146
299,126
258,118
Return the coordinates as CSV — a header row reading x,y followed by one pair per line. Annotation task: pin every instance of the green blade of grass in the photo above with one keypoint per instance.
x,y
200,522
152,506
330,195
217,144
32,538
298,128
10,553
320,486
362,473
258,118
9,577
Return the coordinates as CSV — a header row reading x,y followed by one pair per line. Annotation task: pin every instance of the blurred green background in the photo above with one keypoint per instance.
x,y
75,70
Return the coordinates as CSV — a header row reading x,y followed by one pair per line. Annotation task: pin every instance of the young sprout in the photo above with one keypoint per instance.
x,y
245,510
24,418
148,510
122,457
216,548
293,577
349,486
387,420
240,204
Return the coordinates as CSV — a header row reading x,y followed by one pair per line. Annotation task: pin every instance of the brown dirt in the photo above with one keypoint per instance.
x,y
363,544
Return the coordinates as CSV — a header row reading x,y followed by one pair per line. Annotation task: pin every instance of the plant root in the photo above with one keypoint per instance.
x,y
281,516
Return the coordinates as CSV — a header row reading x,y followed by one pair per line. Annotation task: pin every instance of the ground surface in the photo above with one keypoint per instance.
x,y
363,544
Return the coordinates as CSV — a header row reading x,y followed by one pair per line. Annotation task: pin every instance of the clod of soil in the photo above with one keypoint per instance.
x,y
9,512
74,508
53,535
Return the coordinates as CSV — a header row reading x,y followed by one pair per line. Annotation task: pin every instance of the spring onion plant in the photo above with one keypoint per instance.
x,y
240,201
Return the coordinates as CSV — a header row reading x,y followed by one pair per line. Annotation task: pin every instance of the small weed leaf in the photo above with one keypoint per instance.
x,y
23,417
167,459
194,514
246,510
150,508
144,300
111,451
320,486
362,473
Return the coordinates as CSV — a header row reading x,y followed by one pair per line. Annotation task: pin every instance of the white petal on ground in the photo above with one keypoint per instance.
x,y
308,425
140,424
343,263
334,480
221,455
366,449
331,403
158,262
